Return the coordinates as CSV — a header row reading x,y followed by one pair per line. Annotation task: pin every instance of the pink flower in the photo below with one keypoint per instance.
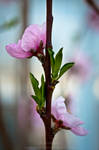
x,y
32,43
22,113
35,117
60,112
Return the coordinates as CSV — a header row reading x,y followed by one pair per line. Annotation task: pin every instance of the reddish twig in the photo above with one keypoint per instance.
x,y
93,5
47,69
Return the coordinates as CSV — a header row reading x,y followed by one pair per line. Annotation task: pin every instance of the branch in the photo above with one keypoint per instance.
x,y
93,5
47,59
47,69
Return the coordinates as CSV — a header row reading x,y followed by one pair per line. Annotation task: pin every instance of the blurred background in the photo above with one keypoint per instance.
x,y
76,29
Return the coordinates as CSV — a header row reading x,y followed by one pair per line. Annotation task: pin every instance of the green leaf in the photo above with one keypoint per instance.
x,y
43,86
36,99
35,85
33,79
51,53
58,61
65,68
42,89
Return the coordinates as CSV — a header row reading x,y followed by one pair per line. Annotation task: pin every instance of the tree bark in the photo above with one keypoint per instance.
x,y
49,21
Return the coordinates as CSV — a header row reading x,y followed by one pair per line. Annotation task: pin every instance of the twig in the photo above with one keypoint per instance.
x,y
47,69
93,5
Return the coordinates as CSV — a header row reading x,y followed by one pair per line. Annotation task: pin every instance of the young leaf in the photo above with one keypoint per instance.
x,y
51,53
33,79
36,99
65,68
35,85
43,86
58,61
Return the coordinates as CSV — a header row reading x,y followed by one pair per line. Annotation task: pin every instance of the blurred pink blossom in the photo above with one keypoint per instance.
x,y
27,114
60,112
35,117
22,113
93,20
82,67
32,43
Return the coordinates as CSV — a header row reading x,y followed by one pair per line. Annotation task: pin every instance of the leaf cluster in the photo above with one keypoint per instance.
x,y
56,70
39,96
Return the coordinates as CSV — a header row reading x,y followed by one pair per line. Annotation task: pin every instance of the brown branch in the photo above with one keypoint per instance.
x,y
93,5
47,59
47,69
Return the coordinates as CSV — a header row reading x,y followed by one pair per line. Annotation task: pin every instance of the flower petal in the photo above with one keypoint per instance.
x,y
79,131
15,50
43,34
32,37
70,120
58,107
60,112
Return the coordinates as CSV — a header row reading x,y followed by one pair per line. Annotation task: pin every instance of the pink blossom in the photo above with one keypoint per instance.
x,y
22,113
32,43
60,112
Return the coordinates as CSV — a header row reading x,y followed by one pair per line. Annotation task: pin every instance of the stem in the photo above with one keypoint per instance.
x,y
47,69
93,5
